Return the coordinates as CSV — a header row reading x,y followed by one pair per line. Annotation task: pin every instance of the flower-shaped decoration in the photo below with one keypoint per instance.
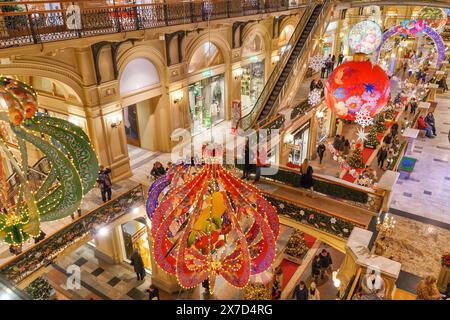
x,y
212,224
365,37
356,86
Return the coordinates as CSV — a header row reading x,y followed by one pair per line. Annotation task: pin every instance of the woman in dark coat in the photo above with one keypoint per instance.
x,y
300,291
315,268
307,175
138,264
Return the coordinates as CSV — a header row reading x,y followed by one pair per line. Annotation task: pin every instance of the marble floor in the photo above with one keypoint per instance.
x,y
427,192
417,245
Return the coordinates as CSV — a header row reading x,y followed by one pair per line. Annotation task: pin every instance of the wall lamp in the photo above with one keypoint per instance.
x,y
275,59
237,73
116,121
177,96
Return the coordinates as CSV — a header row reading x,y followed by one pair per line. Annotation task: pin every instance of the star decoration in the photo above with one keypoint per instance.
x,y
361,134
369,87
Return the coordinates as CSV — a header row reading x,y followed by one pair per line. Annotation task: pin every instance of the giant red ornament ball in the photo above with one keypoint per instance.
x,y
357,86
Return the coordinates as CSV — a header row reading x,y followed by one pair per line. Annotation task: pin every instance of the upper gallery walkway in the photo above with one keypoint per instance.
x,y
49,21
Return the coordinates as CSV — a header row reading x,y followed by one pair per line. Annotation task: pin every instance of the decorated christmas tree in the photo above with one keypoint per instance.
x,y
380,123
356,161
371,141
389,112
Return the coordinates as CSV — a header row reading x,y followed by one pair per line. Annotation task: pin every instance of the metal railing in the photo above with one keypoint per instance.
x,y
23,24
44,252
250,119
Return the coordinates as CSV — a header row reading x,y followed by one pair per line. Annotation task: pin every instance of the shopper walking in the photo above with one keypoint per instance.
x,y
153,293
381,156
340,59
315,268
247,166
261,161
325,263
138,264
104,183
321,151
300,291
307,175
413,105
313,292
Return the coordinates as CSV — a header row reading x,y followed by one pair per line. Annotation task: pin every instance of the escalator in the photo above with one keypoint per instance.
x,y
271,95
36,176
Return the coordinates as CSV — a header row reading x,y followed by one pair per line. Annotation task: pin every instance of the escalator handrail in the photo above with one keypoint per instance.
x,y
31,169
249,120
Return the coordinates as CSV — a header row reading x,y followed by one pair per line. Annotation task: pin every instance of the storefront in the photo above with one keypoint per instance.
x,y
298,143
207,102
324,117
134,235
252,83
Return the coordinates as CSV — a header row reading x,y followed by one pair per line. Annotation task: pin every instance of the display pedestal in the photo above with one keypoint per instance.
x,y
411,134
358,259
444,278
433,88
164,281
387,183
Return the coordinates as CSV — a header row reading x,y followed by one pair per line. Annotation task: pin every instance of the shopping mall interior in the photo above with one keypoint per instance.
x,y
224,150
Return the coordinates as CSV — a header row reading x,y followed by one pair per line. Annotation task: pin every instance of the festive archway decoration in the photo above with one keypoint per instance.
x,y
73,162
212,224
416,28
365,37
355,88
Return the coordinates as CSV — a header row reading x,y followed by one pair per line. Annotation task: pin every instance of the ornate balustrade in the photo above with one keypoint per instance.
x,y
349,193
48,249
20,25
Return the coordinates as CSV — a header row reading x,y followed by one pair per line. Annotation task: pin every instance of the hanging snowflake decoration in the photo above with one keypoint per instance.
x,y
317,62
314,97
362,135
363,118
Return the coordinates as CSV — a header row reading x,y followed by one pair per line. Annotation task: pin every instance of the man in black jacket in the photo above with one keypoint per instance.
x,y
104,182
382,155
325,263
300,291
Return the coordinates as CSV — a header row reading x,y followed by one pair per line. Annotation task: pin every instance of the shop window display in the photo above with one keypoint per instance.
x,y
206,103
135,236
323,124
299,145
252,84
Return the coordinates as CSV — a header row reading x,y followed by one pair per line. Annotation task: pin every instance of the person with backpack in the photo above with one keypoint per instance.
x,y
104,183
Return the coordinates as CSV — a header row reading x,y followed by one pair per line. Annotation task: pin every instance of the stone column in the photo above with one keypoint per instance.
x,y
358,256
387,183
107,245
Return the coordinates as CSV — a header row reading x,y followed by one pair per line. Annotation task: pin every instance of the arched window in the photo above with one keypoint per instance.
x,y
138,74
205,56
253,45
286,35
